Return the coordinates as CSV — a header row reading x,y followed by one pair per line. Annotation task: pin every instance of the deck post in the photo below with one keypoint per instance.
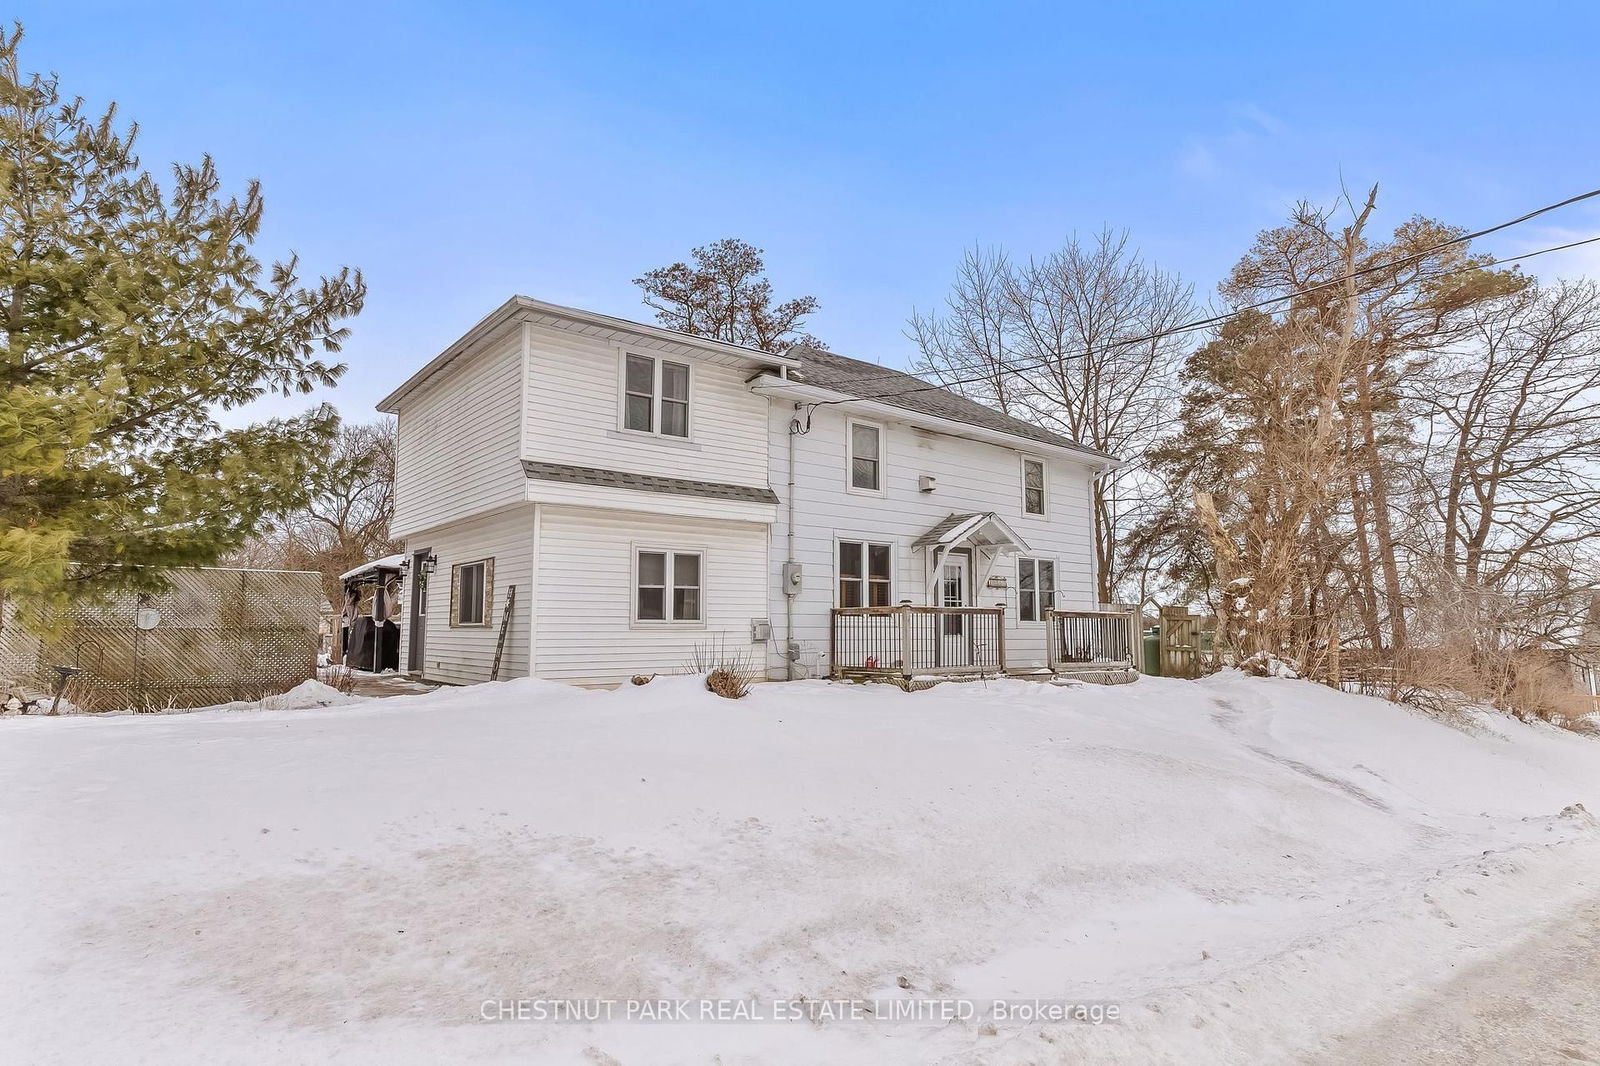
x,y
905,641
1000,635
833,644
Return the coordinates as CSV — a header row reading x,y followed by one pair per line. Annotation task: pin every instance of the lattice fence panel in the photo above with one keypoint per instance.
x,y
223,635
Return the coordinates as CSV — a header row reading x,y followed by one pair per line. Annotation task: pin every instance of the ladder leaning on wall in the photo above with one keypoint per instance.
x,y
505,624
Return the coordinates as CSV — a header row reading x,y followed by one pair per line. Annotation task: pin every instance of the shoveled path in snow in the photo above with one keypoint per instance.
x,y
1538,1002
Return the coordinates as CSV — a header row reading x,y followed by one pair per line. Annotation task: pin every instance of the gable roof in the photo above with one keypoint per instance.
x,y
869,381
983,527
587,323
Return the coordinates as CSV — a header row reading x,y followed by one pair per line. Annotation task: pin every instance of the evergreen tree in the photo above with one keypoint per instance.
x,y
132,313
725,295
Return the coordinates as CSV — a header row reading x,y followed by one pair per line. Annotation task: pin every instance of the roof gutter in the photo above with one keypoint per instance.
x,y
774,386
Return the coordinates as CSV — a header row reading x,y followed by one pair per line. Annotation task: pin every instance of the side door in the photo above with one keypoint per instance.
x,y
418,618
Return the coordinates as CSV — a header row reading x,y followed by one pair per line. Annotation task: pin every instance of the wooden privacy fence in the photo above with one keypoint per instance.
x,y
1092,642
216,635
909,641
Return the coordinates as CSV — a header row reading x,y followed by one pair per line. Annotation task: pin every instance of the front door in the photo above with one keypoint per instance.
x,y
955,646
418,622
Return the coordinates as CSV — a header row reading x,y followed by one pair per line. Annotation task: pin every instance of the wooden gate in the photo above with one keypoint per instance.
x,y
1182,639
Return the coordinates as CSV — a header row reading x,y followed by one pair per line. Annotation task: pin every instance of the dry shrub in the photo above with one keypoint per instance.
x,y
728,673
727,683
341,678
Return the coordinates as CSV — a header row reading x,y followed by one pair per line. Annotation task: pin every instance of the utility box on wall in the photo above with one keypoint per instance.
x,y
791,578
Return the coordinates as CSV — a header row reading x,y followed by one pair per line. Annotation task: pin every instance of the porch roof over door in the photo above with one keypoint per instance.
x,y
980,530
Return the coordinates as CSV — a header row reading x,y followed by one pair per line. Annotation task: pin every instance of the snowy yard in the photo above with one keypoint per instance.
x,y
1246,868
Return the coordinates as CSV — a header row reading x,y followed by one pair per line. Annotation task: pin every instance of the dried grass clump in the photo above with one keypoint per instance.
x,y
727,683
728,673
340,678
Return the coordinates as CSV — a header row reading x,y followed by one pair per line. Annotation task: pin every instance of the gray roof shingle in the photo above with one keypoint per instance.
x,y
618,479
840,373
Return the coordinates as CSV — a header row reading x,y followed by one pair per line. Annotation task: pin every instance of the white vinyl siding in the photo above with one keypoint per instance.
x,y
458,440
465,654
586,633
971,476
576,385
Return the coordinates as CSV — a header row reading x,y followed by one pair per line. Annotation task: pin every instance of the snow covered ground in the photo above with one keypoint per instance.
x,y
1249,870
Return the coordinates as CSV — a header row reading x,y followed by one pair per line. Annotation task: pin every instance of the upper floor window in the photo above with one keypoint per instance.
x,y
666,586
1033,486
863,574
655,396
1036,588
866,457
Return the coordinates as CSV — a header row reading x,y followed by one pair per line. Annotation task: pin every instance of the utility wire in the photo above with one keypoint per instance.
x,y
1203,323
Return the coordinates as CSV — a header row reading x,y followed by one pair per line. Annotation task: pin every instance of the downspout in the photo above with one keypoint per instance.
x,y
788,597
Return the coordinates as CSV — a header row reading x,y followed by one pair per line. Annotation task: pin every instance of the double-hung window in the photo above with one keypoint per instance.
x,y
863,574
655,396
1036,588
866,457
667,586
1033,486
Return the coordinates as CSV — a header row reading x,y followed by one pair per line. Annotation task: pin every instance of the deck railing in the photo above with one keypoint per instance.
x,y
1092,640
909,641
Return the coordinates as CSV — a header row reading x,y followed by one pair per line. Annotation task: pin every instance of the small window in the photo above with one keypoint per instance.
x,y
863,574
655,396
1033,486
470,585
866,457
667,587
1036,588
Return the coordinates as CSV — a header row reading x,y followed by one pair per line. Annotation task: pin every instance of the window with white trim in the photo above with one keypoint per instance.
x,y
1033,486
1036,588
866,456
667,586
655,396
863,574
470,590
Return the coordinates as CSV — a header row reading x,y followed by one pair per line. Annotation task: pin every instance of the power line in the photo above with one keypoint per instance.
x,y
1203,323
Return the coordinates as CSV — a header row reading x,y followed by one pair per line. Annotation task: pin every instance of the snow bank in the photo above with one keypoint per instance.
x,y
306,695
1246,867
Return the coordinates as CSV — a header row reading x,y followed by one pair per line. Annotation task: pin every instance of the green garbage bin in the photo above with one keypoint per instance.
x,y
1152,651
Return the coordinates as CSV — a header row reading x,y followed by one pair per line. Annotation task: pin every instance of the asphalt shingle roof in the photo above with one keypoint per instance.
x,y
618,479
840,373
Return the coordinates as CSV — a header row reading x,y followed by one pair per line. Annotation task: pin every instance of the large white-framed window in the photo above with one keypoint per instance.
x,y
865,568
866,450
1034,500
1036,588
668,586
471,592
655,396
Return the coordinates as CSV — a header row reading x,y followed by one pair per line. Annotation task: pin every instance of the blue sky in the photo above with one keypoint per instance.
x,y
461,153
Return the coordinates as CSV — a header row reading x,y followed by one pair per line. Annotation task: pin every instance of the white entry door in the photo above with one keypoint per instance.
x,y
955,632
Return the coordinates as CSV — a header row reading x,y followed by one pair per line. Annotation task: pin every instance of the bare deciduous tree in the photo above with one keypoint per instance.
x,y
346,523
1068,342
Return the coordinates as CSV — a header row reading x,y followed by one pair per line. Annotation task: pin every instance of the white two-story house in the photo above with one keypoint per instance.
x,y
585,499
